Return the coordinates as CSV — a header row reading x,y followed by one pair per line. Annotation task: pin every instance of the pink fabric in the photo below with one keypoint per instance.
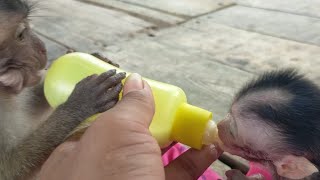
x,y
177,150
256,168
209,174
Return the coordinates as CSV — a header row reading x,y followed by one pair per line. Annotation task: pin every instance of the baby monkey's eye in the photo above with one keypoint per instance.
x,y
231,129
20,32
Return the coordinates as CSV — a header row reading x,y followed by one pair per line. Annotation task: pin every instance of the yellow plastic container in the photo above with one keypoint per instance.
x,y
174,119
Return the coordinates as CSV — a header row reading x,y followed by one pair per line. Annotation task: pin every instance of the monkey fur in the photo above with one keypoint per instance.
x,y
29,128
275,121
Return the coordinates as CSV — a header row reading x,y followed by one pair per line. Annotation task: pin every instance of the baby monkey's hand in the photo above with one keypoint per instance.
x,y
234,174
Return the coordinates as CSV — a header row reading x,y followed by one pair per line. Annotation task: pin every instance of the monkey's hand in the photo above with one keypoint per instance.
x,y
234,174
92,95
104,58
95,94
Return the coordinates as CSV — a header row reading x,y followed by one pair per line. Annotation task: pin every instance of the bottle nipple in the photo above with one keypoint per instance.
x,y
211,135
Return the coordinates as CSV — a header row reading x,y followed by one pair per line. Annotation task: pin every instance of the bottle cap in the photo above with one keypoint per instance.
x,y
190,125
210,135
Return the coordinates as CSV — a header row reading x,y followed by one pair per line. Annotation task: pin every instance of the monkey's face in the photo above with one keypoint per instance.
x,y
248,138
273,121
257,142
22,57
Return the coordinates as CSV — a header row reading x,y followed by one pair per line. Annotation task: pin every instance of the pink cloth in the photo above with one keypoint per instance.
x,y
176,151
209,174
256,168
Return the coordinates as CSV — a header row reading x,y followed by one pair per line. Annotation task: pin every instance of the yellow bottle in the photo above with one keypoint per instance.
x,y
174,119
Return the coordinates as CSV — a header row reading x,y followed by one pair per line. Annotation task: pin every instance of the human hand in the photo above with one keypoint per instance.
x,y
118,145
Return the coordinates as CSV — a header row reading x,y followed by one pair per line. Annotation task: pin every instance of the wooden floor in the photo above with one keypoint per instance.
x,y
209,48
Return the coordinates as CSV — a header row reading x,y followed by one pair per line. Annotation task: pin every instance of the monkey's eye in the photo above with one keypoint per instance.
x,y
231,130
20,32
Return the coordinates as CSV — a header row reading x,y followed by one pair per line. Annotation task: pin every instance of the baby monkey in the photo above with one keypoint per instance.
x,y
29,128
275,121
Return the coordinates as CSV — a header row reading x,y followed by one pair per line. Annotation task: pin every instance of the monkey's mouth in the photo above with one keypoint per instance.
x,y
42,61
247,153
30,76
32,80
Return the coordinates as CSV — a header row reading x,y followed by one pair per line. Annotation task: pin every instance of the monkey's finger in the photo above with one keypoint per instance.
x,y
97,55
112,81
70,51
191,164
111,94
104,58
90,77
87,79
235,174
102,77
114,92
114,64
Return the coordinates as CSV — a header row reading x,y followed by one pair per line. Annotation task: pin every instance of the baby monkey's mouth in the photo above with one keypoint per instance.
x,y
247,153
254,155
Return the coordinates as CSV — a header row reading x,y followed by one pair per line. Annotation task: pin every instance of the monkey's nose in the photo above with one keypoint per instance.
x,y
41,47
220,124
42,50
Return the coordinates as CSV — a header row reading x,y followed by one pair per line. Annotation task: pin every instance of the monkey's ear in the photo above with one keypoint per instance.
x,y
12,80
295,167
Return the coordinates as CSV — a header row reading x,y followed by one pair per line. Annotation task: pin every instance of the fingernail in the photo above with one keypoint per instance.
x,y
213,150
136,79
123,74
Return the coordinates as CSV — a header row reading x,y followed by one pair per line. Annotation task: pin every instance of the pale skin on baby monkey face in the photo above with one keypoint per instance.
x,y
259,142
246,137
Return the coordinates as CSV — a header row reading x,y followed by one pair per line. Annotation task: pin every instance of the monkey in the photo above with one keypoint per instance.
x,y
274,120
29,128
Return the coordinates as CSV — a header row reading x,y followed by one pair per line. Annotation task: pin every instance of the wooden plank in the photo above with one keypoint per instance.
x,y
220,168
306,7
208,84
289,26
248,51
197,57
85,27
156,17
187,8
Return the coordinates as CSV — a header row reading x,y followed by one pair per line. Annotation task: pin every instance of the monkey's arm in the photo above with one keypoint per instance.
x,y
92,95
35,149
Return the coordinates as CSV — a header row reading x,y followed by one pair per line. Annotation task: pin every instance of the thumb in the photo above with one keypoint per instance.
x,y
137,100
192,164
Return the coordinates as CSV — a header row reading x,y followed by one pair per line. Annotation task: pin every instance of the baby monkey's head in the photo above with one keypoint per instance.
x,y
22,53
275,120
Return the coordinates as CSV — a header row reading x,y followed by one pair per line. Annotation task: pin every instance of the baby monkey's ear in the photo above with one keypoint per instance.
x,y
295,167
12,80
